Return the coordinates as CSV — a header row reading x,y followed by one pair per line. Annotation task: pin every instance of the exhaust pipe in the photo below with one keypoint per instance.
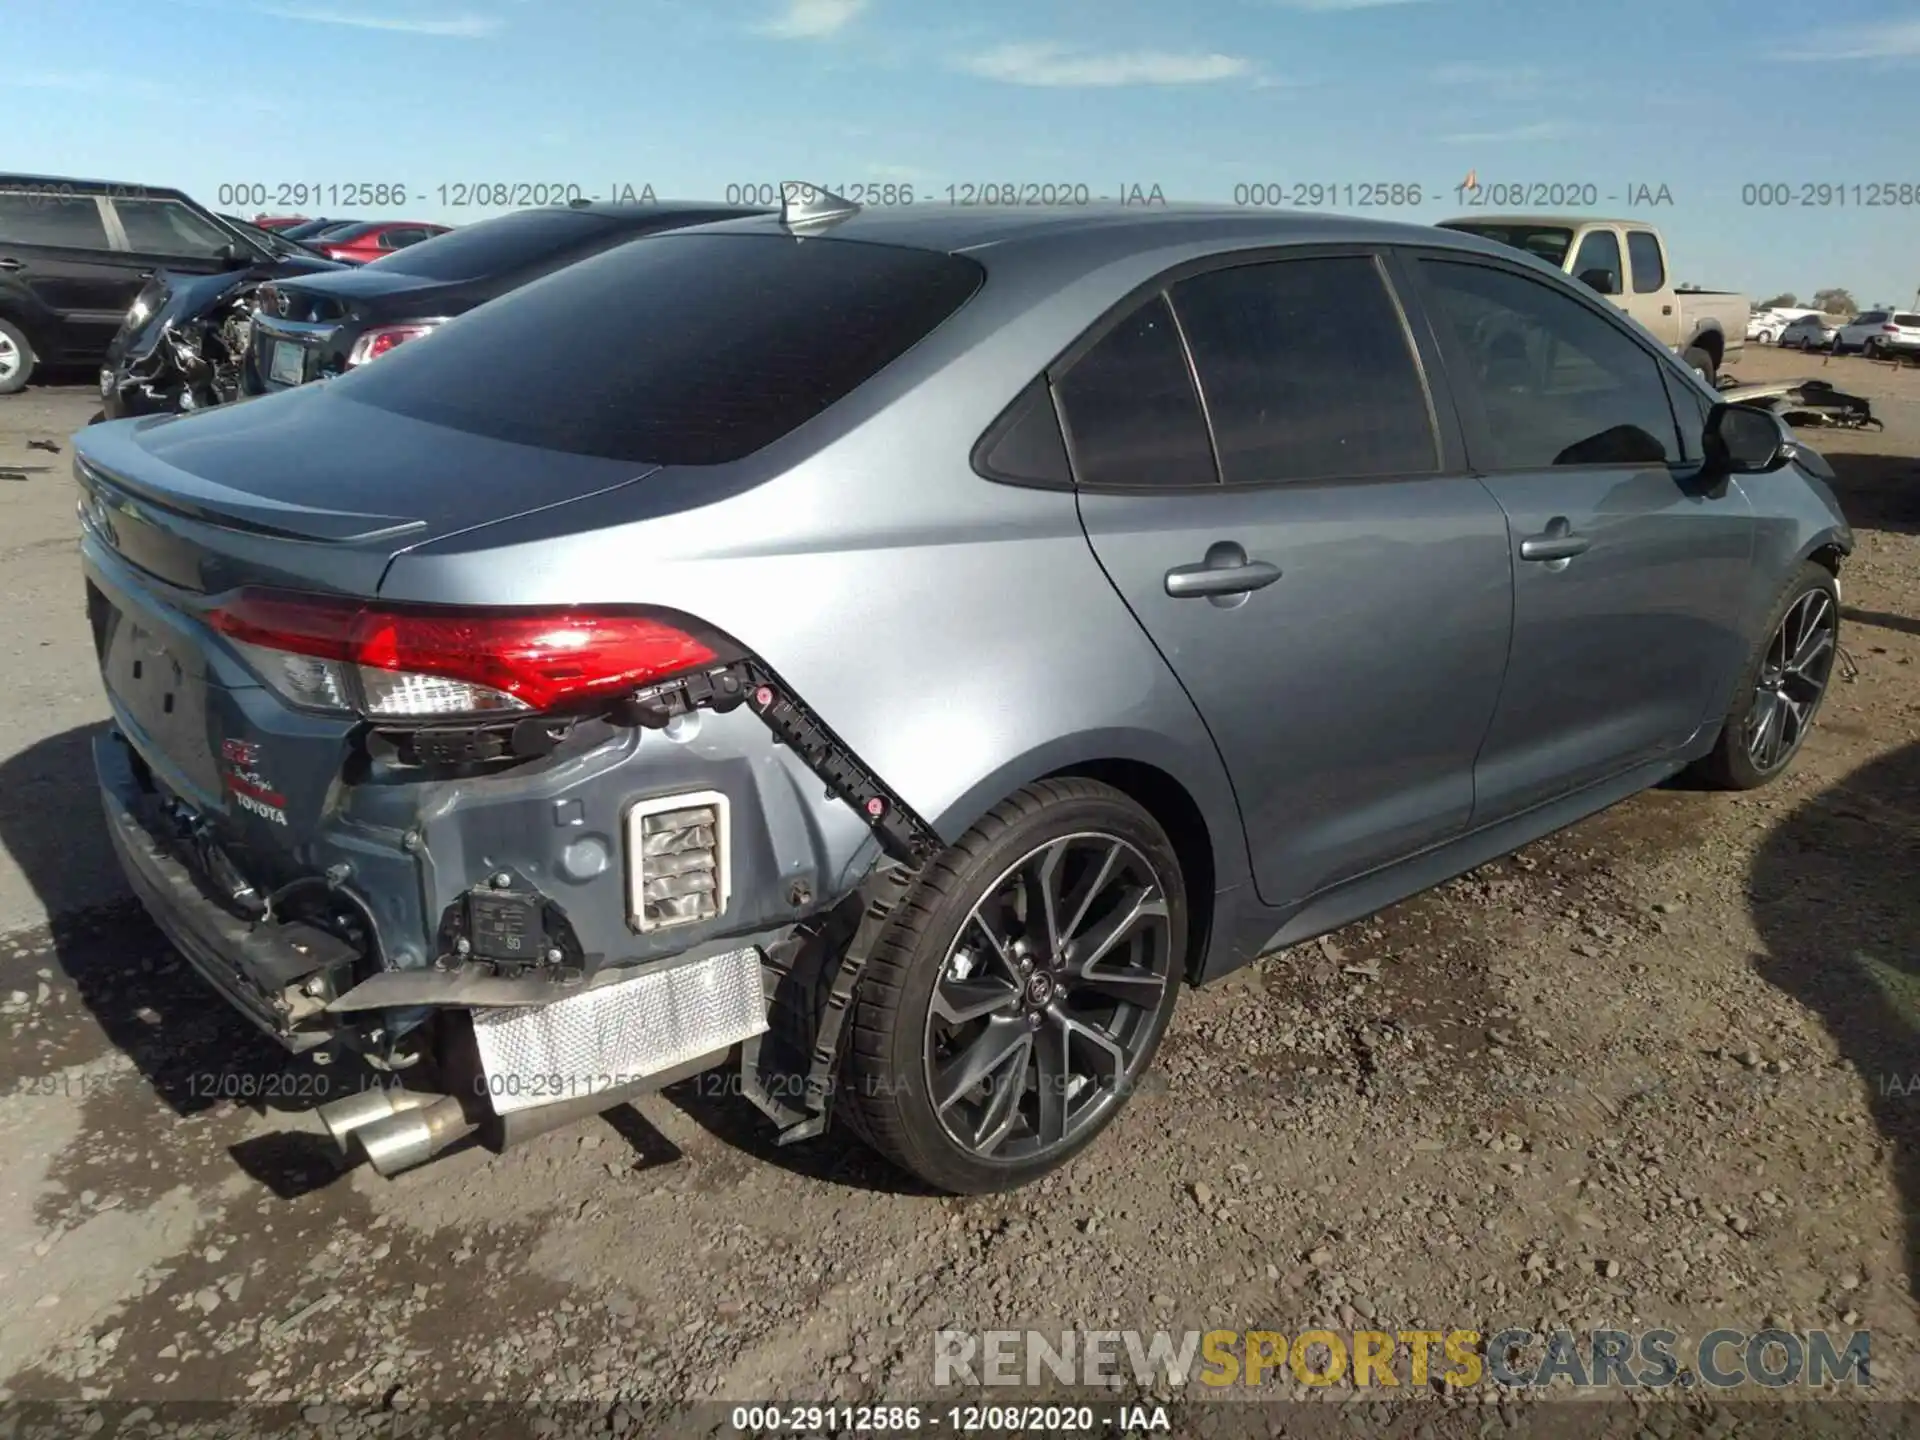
x,y
412,1136
343,1117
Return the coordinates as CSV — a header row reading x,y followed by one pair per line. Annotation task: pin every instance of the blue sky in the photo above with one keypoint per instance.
x,y
1703,97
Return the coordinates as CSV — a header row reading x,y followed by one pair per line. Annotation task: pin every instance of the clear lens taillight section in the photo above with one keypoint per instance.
x,y
677,867
429,661
378,341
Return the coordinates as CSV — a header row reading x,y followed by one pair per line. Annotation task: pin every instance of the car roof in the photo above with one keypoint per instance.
x,y
74,186
1112,229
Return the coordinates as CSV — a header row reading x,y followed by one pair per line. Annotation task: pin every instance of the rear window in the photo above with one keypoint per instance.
x,y
350,230
1549,242
494,247
677,349
1906,317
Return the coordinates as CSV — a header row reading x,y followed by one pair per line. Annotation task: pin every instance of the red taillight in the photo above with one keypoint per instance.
x,y
404,655
378,341
1891,329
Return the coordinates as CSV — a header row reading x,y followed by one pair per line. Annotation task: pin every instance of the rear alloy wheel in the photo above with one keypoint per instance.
x,y
16,359
1782,686
1022,990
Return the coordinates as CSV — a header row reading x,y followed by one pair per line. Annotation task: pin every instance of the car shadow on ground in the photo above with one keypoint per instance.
x,y
1834,897
1877,492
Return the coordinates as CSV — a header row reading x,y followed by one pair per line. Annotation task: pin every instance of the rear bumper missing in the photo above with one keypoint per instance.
x,y
259,967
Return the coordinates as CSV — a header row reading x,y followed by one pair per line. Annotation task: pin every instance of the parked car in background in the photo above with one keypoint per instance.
x,y
320,325
1809,332
1766,325
185,341
75,253
369,240
1626,260
308,230
1880,334
606,646
279,222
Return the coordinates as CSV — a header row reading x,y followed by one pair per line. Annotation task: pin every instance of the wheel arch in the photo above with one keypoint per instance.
x,y
1187,794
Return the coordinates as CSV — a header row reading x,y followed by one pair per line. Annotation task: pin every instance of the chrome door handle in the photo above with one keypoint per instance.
x,y
1225,571
1558,542
7,262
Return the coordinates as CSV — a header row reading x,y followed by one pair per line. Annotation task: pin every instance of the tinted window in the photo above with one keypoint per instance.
x,y
166,227
681,350
72,221
1307,371
495,247
1599,250
1549,242
1872,317
1903,317
1132,416
1649,270
1561,384
1027,443
349,231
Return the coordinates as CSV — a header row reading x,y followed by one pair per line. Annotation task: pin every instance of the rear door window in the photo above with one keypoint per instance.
x,y
53,218
1307,371
677,349
1132,415
1649,268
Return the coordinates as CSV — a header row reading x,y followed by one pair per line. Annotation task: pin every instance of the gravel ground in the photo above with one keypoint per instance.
x,y
1658,1070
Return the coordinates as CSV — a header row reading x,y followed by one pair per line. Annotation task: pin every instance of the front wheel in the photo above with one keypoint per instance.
x,y
1021,990
1782,686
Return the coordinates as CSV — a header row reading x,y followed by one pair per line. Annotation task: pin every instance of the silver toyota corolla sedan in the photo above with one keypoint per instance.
x,y
881,658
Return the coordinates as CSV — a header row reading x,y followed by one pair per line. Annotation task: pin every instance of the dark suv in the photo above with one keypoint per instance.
x,y
74,254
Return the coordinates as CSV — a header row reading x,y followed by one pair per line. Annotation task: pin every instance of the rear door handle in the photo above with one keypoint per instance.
x,y
1557,542
1225,571
7,262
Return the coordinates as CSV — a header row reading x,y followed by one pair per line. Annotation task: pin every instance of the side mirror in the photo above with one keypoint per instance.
x,y
1745,440
1604,282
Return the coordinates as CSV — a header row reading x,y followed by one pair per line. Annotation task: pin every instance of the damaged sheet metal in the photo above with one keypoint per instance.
x,y
194,347
1806,402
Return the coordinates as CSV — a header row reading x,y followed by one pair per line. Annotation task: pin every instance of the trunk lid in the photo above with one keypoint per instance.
x,y
308,489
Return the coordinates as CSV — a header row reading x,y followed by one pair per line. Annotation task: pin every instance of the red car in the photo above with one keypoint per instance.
x,y
278,222
369,240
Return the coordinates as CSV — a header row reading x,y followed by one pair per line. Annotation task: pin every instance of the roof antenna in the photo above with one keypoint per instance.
x,y
808,207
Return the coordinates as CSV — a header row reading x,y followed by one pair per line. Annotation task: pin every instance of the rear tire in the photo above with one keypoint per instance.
x,y
1702,364
16,359
995,1035
1781,686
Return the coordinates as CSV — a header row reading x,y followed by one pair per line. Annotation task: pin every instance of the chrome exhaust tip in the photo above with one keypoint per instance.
x,y
342,1118
412,1136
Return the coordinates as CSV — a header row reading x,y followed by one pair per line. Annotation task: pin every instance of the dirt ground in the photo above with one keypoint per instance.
x,y
1659,1070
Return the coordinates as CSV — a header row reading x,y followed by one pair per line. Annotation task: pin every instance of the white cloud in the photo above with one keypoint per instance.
x,y
1050,64
455,27
1546,130
88,82
1893,40
811,19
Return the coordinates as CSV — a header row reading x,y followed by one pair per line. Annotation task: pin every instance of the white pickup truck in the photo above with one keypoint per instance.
x,y
1626,261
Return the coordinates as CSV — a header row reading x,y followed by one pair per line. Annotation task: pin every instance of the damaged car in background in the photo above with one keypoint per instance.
x,y
894,652
185,341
